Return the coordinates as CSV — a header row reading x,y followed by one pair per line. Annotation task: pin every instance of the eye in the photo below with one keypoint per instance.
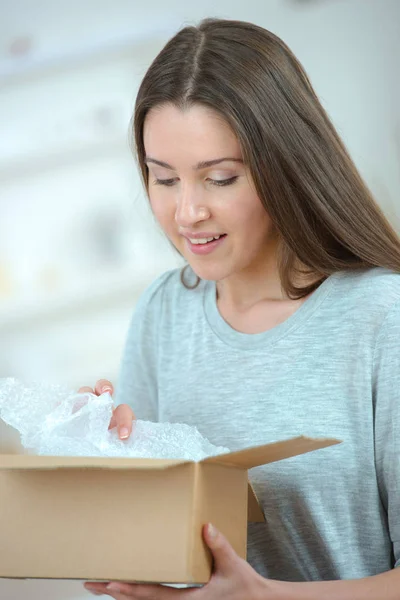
x,y
222,182
167,182
217,182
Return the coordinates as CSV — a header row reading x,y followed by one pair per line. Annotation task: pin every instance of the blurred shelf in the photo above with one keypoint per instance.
x,y
58,159
110,290
17,71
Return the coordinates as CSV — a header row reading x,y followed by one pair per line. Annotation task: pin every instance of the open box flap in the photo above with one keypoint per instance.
x,y
244,459
25,462
262,455
254,510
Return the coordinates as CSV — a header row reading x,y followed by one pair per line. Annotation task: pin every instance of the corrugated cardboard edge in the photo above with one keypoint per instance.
x,y
43,463
242,459
268,453
194,519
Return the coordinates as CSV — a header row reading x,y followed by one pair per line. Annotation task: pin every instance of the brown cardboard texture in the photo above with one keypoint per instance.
x,y
127,519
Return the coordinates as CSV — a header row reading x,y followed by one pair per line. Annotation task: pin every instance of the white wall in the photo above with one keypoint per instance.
x,y
77,242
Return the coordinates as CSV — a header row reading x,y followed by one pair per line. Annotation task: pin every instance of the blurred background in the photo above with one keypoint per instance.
x,y
78,243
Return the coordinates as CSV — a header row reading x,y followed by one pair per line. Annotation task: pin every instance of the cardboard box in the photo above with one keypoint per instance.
x,y
127,519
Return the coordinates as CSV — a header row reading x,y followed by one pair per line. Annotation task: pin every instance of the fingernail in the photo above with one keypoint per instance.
x,y
114,587
212,532
124,433
106,389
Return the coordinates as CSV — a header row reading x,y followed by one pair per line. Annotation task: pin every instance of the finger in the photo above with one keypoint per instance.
x,y
225,558
124,590
150,592
100,589
86,389
103,386
96,588
123,416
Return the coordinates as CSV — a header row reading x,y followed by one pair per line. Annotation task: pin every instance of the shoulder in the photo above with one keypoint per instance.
x,y
169,292
372,291
364,304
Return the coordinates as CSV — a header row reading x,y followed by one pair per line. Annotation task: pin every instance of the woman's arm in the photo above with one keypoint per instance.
x,y
385,586
137,383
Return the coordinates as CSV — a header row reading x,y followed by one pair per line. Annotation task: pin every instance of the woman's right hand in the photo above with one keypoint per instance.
x,y
123,415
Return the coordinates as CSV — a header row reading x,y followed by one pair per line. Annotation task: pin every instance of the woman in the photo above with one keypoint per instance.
x,y
285,322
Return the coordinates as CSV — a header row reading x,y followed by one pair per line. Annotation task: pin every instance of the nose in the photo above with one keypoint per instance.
x,y
190,207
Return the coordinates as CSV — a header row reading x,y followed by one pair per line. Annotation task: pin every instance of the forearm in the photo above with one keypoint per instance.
x,y
385,586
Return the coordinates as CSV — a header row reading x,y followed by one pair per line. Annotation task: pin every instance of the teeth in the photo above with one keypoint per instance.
x,y
204,240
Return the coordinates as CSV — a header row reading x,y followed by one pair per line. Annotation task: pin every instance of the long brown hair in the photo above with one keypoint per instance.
x,y
326,217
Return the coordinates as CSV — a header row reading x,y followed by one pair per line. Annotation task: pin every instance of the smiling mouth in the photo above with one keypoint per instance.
x,y
204,241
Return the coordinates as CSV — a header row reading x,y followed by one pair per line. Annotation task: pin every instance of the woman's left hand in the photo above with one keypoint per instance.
x,y
232,579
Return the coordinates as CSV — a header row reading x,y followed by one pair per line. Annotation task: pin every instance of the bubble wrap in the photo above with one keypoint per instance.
x,y
54,421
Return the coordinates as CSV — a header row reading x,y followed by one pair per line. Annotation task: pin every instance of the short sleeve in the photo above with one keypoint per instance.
x,y
386,389
137,383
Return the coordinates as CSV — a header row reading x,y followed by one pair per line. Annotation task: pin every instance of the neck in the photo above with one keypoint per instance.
x,y
245,289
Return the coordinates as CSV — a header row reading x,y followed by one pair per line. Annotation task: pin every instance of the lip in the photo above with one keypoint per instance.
x,y
199,236
203,249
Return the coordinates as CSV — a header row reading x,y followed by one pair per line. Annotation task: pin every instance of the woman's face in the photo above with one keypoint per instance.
x,y
201,192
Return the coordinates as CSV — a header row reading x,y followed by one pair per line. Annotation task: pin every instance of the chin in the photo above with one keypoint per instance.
x,y
211,272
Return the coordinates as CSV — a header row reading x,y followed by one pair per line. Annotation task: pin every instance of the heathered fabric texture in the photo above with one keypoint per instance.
x,y
332,369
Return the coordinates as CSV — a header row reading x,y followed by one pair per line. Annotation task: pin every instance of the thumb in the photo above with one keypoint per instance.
x,y
225,558
122,418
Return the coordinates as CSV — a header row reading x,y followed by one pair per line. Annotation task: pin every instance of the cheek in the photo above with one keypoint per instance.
x,y
251,217
164,211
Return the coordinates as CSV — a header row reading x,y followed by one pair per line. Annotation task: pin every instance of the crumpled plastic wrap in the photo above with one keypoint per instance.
x,y
54,421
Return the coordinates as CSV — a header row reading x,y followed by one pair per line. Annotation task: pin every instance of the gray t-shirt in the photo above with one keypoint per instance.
x,y
332,369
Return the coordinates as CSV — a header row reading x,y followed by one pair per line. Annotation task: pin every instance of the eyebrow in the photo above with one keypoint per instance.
x,y
205,164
